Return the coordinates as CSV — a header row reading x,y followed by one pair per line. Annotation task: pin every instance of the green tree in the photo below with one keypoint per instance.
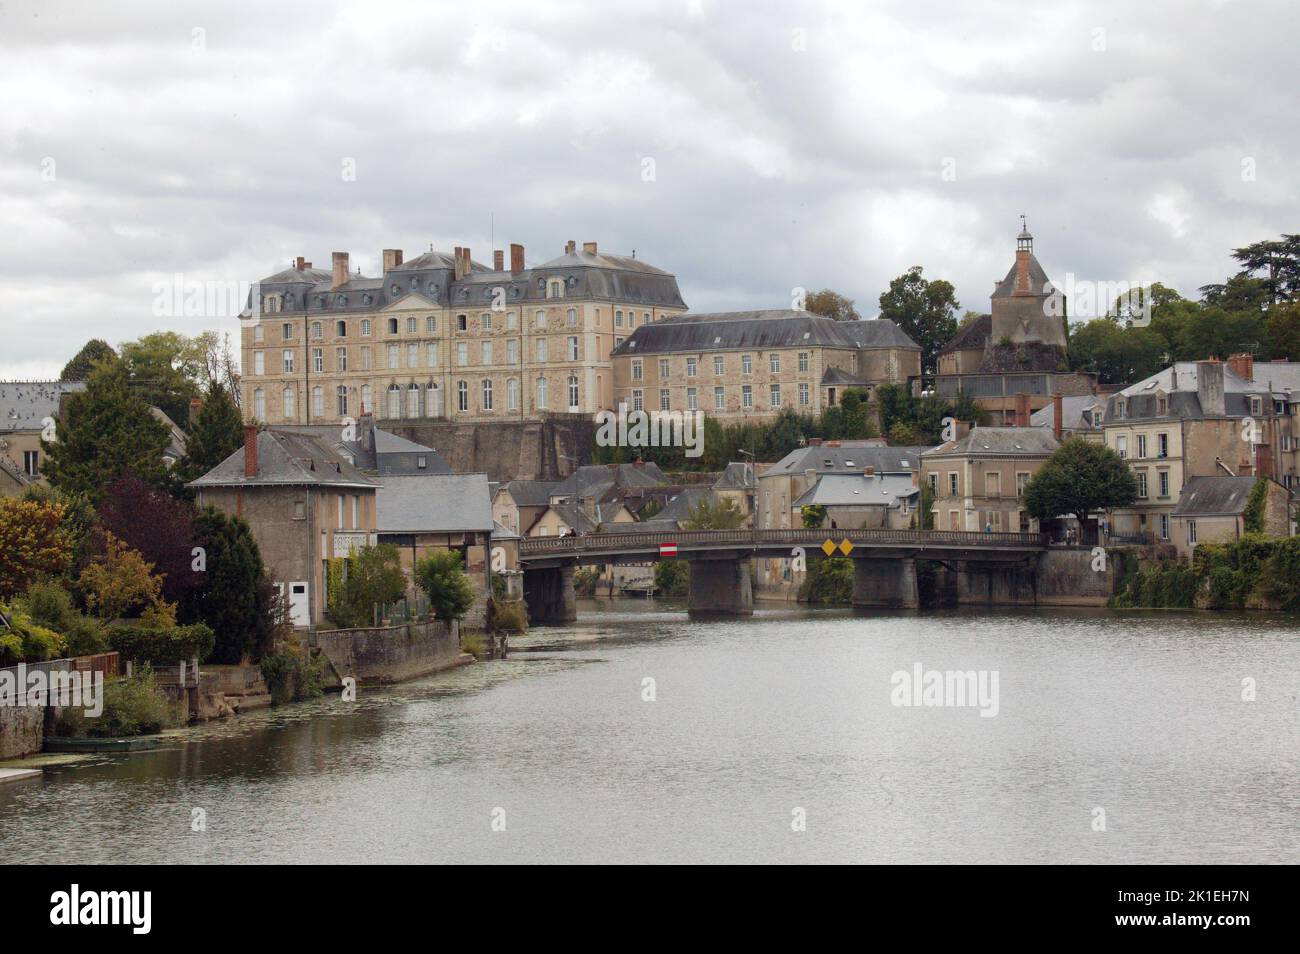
x,y
813,516
442,576
1283,330
92,353
373,578
217,432
831,304
1077,479
102,432
925,310
234,599
721,514
672,577
166,370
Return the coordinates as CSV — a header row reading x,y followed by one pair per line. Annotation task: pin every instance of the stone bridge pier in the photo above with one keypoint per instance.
x,y
885,583
720,588
549,595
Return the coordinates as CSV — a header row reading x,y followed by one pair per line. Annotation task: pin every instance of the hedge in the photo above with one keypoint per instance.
x,y
162,645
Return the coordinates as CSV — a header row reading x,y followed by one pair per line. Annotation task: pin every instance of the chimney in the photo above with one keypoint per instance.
x,y
392,258
1057,423
1243,365
498,260
458,260
868,471
1022,409
960,429
1022,272
516,258
366,429
250,450
814,442
1263,460
196,405
570,247
589,248
339,260
1209,387
301,264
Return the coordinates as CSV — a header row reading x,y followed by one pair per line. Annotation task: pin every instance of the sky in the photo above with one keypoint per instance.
x,y
751,148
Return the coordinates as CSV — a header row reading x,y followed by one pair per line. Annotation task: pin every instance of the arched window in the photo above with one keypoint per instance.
x,y
342,393
341,329
287,403
259,404
413,400
541,393
573,393
487,394
573,317
512,394
392,326
394,402
366,403
555,288
462,396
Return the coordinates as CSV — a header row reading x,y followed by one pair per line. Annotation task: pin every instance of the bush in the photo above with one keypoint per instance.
x,y
27,640
291,675
132,706
370,577
443,579
829,580
511,618
162,645
585,580
672,578
50,605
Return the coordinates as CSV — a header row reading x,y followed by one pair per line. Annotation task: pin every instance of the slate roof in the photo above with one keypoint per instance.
x,y
594,479
392,454
1038,280
739,330
288,459
680,507
1073,416
856,490
531,493
971,336
575,518
24,404
738,475
849,457
1214,496
1179,384
999,442
837,377
434,503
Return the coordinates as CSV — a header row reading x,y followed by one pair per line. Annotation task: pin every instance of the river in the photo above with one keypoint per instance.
x,y
775,739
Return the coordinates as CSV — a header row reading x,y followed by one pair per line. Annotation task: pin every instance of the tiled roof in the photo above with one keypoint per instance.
x,y
1038,281
434,503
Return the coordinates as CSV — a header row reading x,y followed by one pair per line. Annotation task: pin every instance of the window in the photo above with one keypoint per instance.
x,y
1142,484
1162,445
340,359
1121,445
287,404
1164,526
692,400
286,331
259,362
636,369
286,358
934,484
803,360
512,394
952,483
512,351
1191,532
431,325
394,359
1022,481
365,327
341,393
315,329
638,400
775,360
573,347
318,360
317,402
746,364
1162,406
719,399
394,401
299,510
663,367
462,396
433,401
573,317
803,395
392,326
512,321
573,393
543,399
412,324
746,396
645,317
1164,483
366,403
462,322
541,350
691,367
776,395
413,356
1121,409
618,318
486,321
719,364
1256,406
665,401
992,484
485,353
539,319
258,333
340,509
555,288
462,353
431,354
340,329
487,394
1141,446
356,511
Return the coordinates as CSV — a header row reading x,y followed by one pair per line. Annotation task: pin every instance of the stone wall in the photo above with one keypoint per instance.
x,y
506,450
22,730
1066,578
388,653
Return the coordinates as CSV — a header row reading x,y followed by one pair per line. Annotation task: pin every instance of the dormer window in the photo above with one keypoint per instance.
x,y
1121,409
394,289
555,288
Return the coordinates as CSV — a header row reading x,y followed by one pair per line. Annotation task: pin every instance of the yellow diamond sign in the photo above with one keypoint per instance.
x,y
845,546
828,547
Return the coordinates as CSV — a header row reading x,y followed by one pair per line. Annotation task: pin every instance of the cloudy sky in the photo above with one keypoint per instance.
x,y
750,148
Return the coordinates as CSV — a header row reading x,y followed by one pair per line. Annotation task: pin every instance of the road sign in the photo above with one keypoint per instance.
x,y
828,547
845,546
667,549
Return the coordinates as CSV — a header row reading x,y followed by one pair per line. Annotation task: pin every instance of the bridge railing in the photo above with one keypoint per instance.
x,y
691,539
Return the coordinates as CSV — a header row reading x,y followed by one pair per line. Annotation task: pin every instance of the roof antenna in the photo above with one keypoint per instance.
x,y
634,253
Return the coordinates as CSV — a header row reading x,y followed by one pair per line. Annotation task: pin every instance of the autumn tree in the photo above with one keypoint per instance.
x,y
123,583
160,527
33,545
831,304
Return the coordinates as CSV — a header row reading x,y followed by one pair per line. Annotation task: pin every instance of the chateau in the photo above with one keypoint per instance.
x,y
443,336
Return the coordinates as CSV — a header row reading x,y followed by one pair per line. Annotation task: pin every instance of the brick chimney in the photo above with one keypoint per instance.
x,y
960,429
516,258
392,258
1263,460
570,247
1243,365
814,442
250,450
196,405
458,261
589,248
339,262
301,263
1022,409
1022,272
498,260
1209,387
366,429
1058,425
868,471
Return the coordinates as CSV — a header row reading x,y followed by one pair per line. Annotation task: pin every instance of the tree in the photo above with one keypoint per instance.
x,y
1077,479
1216,331
442,576
102,432
373,578
813,516
166,370
217,432
160,527
33,545
1279,260
235,599
1283,330
1118,354
123,582
672,577
92,353
925,310
721,514
830,304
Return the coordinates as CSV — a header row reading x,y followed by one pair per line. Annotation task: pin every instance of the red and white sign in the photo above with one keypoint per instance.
x,y
667,549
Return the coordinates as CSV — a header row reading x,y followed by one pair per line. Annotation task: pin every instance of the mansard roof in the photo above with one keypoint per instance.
x,y
777,328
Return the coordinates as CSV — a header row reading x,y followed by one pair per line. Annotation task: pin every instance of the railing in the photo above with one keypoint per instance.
x,y
693,539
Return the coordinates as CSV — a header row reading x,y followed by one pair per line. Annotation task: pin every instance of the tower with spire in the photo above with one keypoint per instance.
x,y
1027,309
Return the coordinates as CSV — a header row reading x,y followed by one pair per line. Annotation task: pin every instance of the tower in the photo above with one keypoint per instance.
x,y
1024,316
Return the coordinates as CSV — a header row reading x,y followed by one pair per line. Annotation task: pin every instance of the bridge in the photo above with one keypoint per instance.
x,y
884,563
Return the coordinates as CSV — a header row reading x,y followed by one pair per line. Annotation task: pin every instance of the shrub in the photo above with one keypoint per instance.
x,y
162,645
132,706
33,544
50,605
511,617
27,640
441,576
585,580
291,674
672,578
357,584
829,580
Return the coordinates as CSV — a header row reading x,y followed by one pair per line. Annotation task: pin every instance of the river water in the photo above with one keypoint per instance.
x,y
774,739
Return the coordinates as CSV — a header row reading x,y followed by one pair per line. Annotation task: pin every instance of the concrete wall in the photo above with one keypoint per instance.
x,y
389,654
1066,578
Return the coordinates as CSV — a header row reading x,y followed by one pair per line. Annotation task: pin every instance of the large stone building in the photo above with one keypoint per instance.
x,y
748,365
1018,348
1213,510
978,478
444,337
